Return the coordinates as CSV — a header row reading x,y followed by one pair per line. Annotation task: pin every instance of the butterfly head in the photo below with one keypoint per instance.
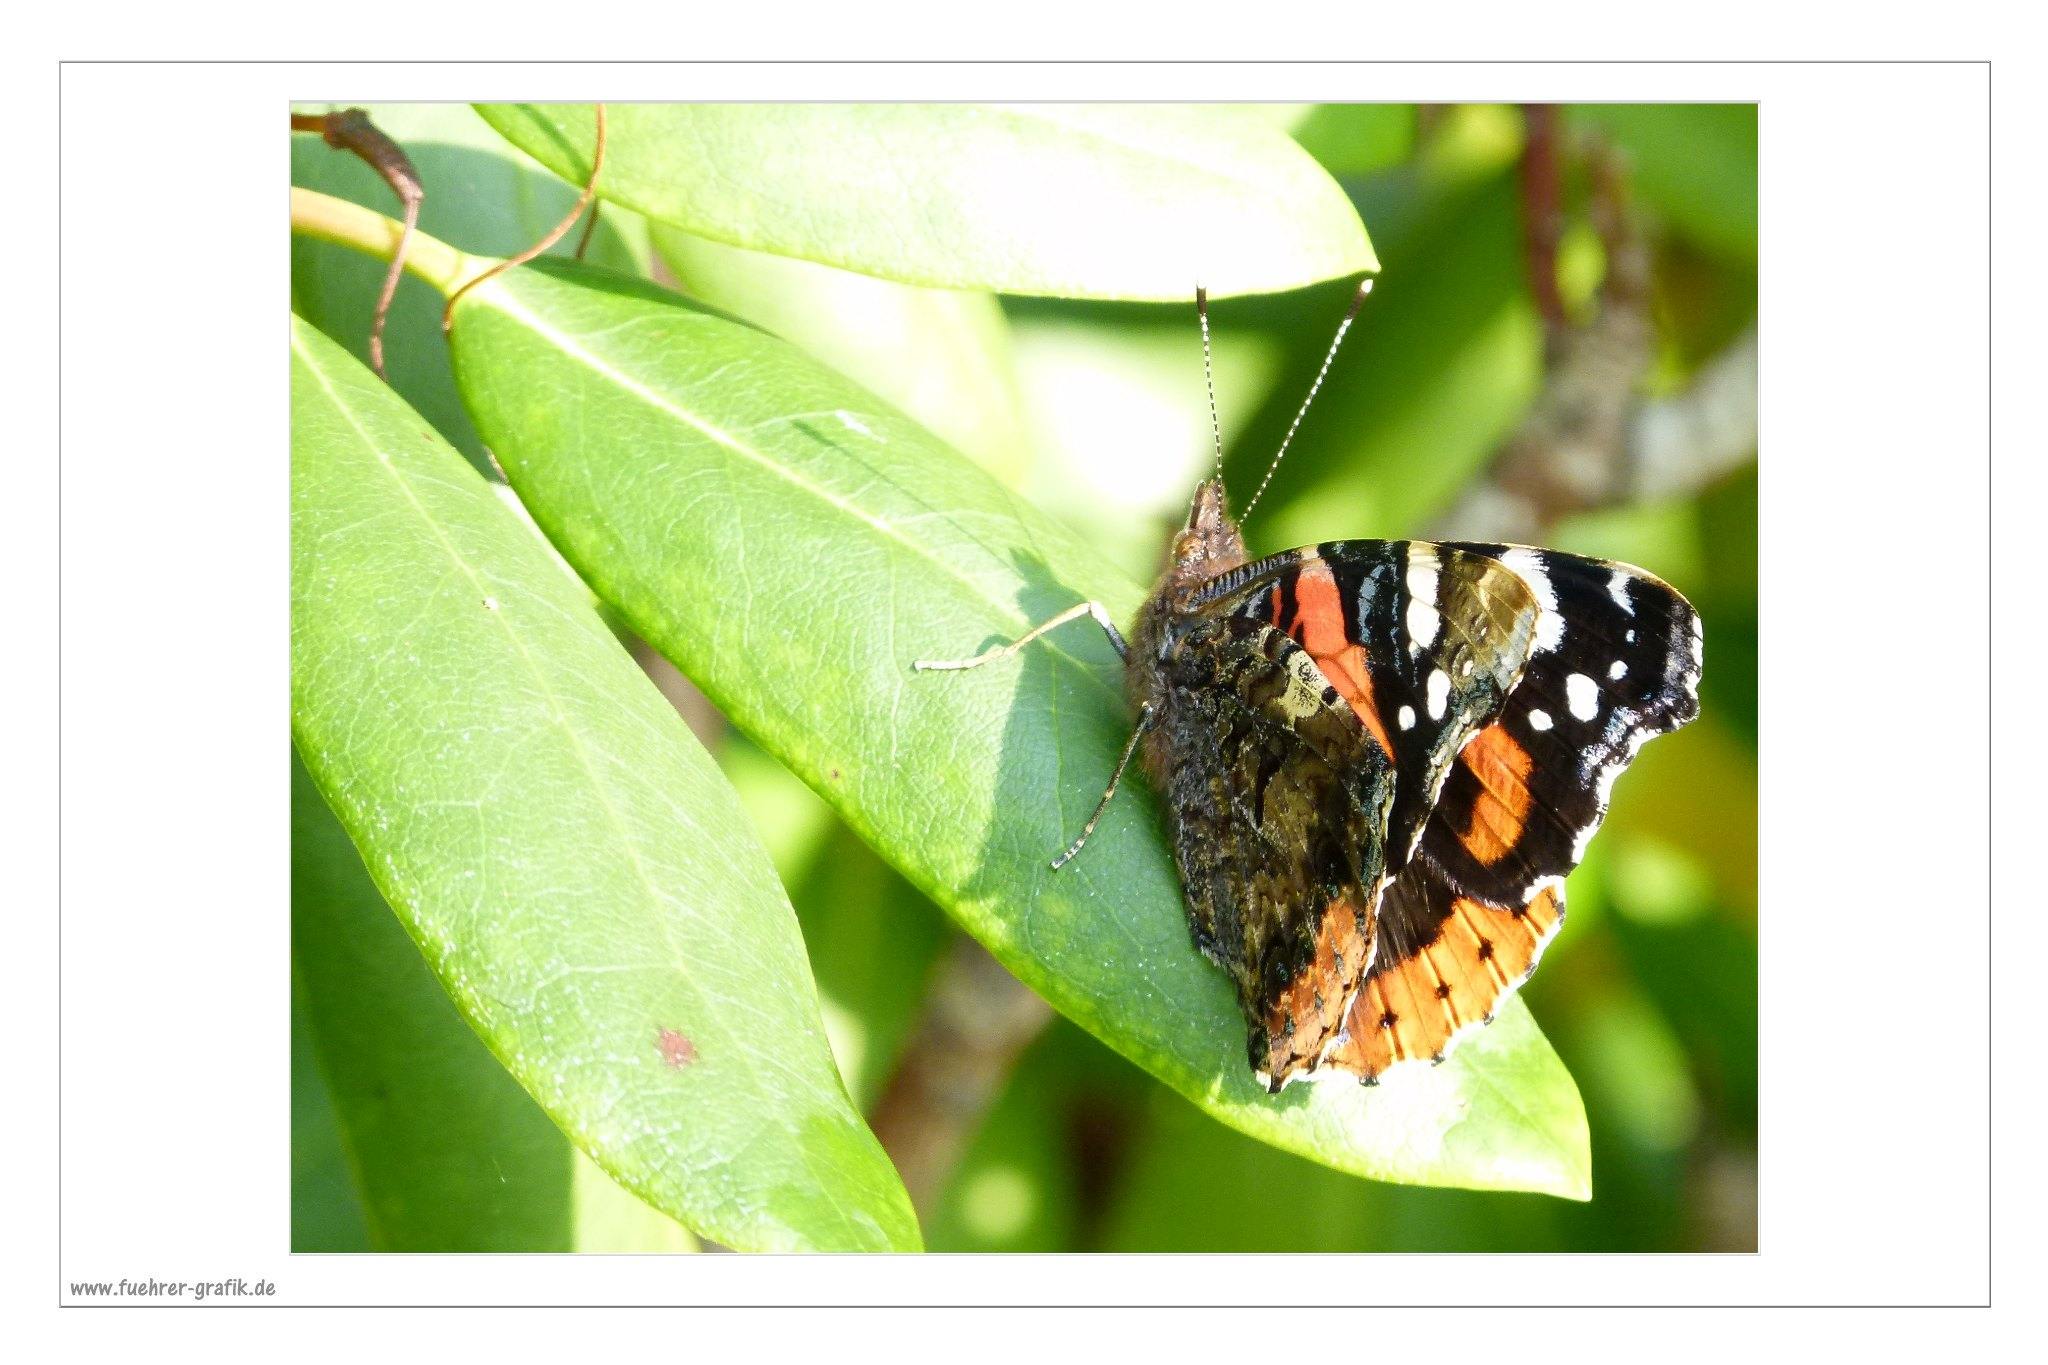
x,y
1209,544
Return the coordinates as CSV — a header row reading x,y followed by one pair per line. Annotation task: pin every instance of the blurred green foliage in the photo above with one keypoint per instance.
x,y
1649,993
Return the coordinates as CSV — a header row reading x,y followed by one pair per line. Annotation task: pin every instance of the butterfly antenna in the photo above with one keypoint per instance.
x,y
1209,375
1364,288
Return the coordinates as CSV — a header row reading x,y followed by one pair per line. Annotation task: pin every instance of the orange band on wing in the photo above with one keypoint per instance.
x,y
1319,625
1412,1007
1349,674
1501,811
1313,1006
1318,611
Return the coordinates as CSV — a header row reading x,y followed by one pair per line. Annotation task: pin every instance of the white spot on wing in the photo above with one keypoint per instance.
x,y
1439,693
1423,618
1407,718
1539,720
1423,622
1617,670
1582,695
1528,566
1617,588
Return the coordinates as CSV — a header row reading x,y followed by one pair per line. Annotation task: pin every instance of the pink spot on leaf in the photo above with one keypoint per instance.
x,y
677,1050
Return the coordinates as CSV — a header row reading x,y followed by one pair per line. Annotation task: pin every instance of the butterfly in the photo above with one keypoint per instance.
x,y
1378,760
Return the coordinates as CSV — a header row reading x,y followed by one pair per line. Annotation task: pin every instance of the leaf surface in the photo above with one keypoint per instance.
x,y
1126,201
941,355
570,862
444,1151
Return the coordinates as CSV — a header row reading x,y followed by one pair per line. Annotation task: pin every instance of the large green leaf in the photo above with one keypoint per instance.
x,y
569,860
1127,201
327,1214
794,544
445,1151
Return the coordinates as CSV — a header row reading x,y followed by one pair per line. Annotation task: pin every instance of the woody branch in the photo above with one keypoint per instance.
x,y
1591,439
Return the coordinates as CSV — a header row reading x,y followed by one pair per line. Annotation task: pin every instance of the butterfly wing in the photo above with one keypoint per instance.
x,y
1616,661
1312,714
1424,642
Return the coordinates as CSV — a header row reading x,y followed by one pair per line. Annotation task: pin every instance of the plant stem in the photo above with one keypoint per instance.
x,y
976,1022
334,220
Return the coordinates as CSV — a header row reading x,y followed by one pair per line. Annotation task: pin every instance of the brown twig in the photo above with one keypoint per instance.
x,y
977,1020
1541,176
589,229
1590,439
350,130
1680,444
582,202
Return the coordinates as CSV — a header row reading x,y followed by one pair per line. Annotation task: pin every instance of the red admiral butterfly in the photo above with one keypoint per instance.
x,y
1379,759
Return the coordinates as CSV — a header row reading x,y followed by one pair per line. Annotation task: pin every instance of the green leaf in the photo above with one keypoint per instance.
x,y
1191,1186
793,544
326,1213
573,866
942,355
445,1151
1128,201
1357,140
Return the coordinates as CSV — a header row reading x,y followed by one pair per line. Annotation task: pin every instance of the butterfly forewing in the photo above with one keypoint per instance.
x,y
1616,661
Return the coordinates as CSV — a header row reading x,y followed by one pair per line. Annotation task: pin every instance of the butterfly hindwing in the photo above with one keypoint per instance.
x,y
1278,802
1442,965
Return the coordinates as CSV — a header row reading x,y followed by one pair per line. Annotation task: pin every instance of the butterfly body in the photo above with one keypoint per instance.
x,y
1243,740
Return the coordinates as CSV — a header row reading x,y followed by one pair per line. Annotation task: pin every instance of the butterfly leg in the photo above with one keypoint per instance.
x,y
1075,612
1146,715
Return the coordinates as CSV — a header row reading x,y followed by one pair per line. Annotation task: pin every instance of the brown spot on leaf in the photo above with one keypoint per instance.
x,y
677,1050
